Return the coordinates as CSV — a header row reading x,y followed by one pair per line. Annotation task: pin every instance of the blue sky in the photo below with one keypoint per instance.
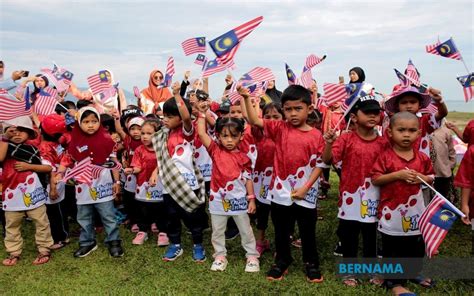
x,y
133,37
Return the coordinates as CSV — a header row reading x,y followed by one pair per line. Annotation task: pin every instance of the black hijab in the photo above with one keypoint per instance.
x,y
360,73
274,94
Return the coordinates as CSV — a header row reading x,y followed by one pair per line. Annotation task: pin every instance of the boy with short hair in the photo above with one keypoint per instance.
x,y
298,148
397,172
184,190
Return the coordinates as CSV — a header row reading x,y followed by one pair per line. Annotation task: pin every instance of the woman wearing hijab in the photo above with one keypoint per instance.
x,y
117,101
153,95
356,75
272,94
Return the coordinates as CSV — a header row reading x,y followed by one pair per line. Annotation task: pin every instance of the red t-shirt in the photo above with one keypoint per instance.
x,y
297,153
146,160
247,145
401,204
229,174
465,176
262,175
358,198
468,134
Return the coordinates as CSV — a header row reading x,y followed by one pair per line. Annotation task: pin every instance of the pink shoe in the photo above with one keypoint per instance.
x,y
263,246
140,238
162,240
135,228
154,229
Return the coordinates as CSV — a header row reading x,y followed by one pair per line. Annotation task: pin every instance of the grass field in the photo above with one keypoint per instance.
x,y
460,118
141,270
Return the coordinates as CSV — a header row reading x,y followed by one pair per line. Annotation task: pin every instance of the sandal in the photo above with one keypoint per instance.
x,y
350,282
11,260
424,282
42,258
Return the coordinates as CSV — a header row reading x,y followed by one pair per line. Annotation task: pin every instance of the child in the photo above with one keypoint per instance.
x,y
23,193
149,192
397,172
231,190
296,170
89,139
262,175
183,185
358,198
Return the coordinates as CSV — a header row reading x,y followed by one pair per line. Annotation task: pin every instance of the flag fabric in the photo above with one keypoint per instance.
x,y
436,221
213,66
108,93
431,108
98,82
445,49
200,59
306,78
321,101
194,45
467,83
334,93
60,77
11,108
353,91
169,73
46,101
290,75
82,172
312,60
406,81
411,72
403,79
226,45
136,92
259,74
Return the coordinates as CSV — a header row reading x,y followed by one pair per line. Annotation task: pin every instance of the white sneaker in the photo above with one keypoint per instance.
x,y
253,265
140,238
219,264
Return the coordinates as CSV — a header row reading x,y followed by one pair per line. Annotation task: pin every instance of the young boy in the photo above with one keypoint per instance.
x,y
294,189
23,193
397,172
358,198
184,190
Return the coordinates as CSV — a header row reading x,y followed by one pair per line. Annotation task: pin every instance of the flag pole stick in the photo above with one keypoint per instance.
x,y
347,111
460,55
446,200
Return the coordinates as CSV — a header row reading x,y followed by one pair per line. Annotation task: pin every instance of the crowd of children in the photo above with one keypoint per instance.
x,y
248,160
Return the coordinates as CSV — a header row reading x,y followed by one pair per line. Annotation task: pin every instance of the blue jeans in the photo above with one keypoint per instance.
x,y
85,214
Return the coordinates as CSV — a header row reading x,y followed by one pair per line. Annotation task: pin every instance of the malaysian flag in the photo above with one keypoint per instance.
x,y
312,60
82,172
334,93
403,79
194,45
445,49
226,45
60,77
109,93
98,82
259,74
431,108
436,221
353,91
411,72
306,78
11,108
406,81
169,73
46,101
213,66
290,75
467,83
200,59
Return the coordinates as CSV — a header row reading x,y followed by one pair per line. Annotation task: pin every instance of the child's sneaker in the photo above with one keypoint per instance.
x,y
253,265
219,264
173,252
163,240
263,246
313,275
199,255
276,273
140,238
154,229
135,228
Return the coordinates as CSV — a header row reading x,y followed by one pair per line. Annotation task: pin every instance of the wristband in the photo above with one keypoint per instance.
x,y
251,196
308,185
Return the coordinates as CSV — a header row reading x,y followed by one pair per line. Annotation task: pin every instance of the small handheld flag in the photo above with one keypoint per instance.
x,y
194,45
169,73
467,82
312,60
445,49
98,82
46,101
334,93
200,59
60,77
11,108
306,78
412,72
213,66
290,75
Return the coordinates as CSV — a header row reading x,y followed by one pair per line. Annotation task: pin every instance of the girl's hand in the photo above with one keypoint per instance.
x,y
53,193
408,176
128,171
299,193
116,191
243,91
21,166
465,210
330,136
435,94
176,87
252,207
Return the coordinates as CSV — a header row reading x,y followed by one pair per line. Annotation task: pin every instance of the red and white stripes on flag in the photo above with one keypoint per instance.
x,y
213,69
334,93
11,108
412,73
170,67
259,74
194,45
468,93
431,108
46,101
82,172
312,60
306,78
98,82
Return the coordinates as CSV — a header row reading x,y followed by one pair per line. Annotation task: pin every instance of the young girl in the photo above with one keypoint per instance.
x,y
231,190
149,191
89,139
262,175
23,192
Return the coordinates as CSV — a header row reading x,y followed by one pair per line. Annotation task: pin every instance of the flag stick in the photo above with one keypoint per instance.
x,y
446,200
460,55
347,111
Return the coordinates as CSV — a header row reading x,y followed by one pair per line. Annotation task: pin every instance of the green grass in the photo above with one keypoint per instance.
x,y
141,270
460,118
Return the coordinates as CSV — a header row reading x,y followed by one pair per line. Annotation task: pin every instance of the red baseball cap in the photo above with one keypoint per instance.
x,y
53,124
